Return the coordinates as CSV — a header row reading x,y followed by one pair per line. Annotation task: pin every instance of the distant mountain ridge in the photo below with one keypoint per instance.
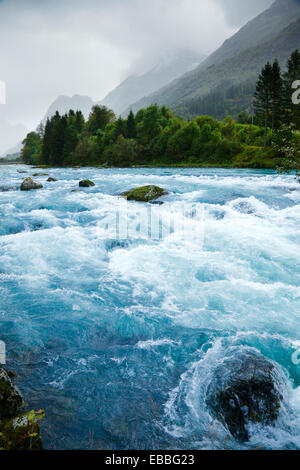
x,y
168,67
272,34
64,103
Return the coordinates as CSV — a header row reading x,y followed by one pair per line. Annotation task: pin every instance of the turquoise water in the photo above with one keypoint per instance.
x,y
117,336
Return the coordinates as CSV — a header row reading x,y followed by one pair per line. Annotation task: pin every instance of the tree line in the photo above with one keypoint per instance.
x,y
157,136
153,136
273,105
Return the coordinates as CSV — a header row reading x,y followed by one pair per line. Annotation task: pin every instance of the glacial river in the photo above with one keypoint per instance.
x,y
115,315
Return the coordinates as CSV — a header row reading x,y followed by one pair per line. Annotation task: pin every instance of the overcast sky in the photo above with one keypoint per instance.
x,y
87,47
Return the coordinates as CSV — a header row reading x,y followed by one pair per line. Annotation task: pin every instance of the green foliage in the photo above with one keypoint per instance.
x,y
287,145
160,139
32,148
99,118
22,433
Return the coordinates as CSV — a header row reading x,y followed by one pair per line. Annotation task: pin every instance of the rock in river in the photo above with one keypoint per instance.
x,y
245,390
10,397
51,180
144,194
86,184
18,430
28,184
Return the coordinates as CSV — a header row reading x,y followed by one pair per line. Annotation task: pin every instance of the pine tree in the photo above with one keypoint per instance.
x,y
58,139
70,143
276,97
46,149
131,126
119,129
79,122
263,98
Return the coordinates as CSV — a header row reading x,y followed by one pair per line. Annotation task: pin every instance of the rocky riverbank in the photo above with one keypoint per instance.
x,y
19,429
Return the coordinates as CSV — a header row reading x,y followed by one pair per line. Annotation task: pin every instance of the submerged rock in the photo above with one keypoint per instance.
x,y
51,180
22,171
144,193
40,174
86,184
245,390
28,184
10,397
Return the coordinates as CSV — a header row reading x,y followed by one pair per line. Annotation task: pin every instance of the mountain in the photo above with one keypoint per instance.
x,y
236,64
168,67
10,136
64,103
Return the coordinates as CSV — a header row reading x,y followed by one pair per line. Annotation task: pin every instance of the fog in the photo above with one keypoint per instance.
x,y
87,47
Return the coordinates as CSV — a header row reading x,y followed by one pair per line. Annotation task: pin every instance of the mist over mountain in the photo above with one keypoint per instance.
x,y
64,103
272,34
10,136
167,68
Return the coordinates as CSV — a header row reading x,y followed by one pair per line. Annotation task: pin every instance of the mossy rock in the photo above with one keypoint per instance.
x,y
21,433
18,430
10,397
86,184
28,185
144,193
40,174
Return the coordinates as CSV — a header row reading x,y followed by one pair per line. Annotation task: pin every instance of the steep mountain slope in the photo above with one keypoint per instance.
x,y
168,67
240,63
259,30
64,103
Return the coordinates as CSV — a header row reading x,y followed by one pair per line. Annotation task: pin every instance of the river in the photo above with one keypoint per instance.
x,y
115,315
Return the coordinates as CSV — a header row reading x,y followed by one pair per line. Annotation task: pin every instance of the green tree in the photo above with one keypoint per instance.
x,y
287,146
131,126
46,149
32,146
263,98
276,97
58,140
124,152
99,117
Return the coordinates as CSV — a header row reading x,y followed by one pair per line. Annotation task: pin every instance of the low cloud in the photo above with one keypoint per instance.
x,y
54,47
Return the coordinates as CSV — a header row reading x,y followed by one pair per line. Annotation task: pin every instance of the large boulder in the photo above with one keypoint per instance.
x,y
144,194
28,185
10,397
245,389
86,184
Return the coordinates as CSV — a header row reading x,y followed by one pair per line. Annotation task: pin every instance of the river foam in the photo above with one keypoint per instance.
x,y
116,315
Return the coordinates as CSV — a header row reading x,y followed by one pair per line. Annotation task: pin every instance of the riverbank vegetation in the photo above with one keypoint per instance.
x,y
155,136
